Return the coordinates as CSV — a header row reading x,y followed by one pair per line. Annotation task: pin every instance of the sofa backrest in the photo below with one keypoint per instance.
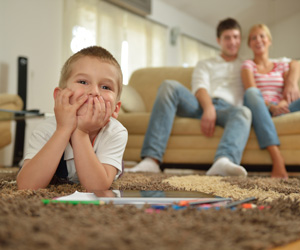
x,y
146,81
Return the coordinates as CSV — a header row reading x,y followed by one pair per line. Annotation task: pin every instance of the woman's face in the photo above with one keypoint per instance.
x,y
259,41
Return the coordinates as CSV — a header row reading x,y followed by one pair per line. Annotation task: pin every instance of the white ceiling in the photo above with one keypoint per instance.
x,y
247,12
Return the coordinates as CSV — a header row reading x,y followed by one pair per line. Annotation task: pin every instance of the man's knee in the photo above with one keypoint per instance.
x,y
168,87
244,112
247,113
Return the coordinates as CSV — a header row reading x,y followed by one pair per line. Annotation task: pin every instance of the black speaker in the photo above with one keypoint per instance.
x,y
21,124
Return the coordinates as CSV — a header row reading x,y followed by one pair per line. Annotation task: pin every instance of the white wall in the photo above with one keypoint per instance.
x,y
172,17
31,28
286,39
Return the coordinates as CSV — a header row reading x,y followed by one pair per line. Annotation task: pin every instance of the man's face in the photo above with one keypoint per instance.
x,y
230,41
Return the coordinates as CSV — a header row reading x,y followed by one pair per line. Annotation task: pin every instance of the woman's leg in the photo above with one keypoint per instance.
x,y
295,106
278,169
265,130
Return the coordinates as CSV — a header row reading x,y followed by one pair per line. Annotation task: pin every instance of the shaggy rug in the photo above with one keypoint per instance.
x,y
26,223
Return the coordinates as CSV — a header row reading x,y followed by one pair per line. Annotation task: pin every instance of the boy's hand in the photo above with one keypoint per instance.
x,y
97,115
65,113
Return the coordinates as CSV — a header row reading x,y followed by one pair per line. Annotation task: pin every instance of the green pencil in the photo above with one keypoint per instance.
x,y
46,201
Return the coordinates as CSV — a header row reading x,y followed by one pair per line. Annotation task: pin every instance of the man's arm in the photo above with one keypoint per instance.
x,y
201,79
291,88
208,119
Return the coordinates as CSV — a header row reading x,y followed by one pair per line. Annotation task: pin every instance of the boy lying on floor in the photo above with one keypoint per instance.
x,y
83,142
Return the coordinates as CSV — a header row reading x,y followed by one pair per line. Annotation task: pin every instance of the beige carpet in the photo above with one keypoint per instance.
x,y
26,223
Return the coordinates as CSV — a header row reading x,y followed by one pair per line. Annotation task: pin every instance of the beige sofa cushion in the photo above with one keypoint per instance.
x,y
7,101
131,100
147,81
137,123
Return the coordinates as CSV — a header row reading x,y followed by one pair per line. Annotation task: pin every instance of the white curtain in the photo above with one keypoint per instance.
x,y
192,51
95,22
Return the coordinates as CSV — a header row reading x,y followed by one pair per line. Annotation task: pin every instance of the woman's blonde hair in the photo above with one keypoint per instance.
x,y
260,26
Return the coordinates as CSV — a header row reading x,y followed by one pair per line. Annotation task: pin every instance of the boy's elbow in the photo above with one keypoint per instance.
x,y
103,186
25,185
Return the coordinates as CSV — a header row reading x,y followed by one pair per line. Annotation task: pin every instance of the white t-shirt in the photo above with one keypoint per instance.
x,y
221,79
109,145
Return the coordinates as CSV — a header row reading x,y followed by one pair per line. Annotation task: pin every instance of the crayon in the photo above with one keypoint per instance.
x,y
201,201
235,203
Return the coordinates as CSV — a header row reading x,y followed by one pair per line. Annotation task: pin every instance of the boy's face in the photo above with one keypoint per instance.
x,y
91,76
230,41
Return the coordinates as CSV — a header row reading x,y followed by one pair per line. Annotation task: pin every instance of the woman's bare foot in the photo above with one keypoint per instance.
x,y
278,169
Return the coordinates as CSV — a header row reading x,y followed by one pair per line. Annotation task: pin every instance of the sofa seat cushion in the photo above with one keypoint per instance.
x,y
137,123
288,124
5,133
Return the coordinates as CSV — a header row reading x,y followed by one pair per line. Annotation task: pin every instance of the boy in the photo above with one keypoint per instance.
x,y
84,141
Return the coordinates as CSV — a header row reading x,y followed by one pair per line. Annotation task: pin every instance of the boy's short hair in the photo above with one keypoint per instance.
x,y
260,26
228,24
93,51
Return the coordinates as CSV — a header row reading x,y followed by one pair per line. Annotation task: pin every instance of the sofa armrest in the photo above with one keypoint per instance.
x,y
10,101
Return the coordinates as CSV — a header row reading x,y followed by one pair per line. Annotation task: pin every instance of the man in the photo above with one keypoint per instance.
x,y
216,99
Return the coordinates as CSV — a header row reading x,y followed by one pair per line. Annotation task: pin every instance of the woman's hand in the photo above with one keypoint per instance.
x,y
281,108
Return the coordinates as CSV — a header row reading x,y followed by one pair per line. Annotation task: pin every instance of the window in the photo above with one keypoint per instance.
x,y
133,40
193,50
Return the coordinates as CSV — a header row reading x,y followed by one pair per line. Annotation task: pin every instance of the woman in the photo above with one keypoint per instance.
x,y
264,82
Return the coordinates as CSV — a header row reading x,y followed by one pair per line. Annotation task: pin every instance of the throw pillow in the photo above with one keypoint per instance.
x,y
131,100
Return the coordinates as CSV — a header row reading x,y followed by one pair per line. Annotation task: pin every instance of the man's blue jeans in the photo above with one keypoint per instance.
x,y
262,121
175,99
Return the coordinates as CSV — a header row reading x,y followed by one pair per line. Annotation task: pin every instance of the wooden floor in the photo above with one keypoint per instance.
x,y
292,246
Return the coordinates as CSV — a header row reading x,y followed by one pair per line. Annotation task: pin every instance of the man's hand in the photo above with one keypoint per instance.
x,y
281,108
208,121
97,115
65,113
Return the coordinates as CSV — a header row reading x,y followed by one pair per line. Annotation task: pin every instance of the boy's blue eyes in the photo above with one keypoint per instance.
x,y
102,86
82,82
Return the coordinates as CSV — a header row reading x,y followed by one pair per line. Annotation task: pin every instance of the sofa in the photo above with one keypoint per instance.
x,y
187,144
11,102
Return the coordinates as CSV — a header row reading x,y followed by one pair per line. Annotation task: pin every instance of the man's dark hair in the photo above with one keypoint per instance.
x,y
228,24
